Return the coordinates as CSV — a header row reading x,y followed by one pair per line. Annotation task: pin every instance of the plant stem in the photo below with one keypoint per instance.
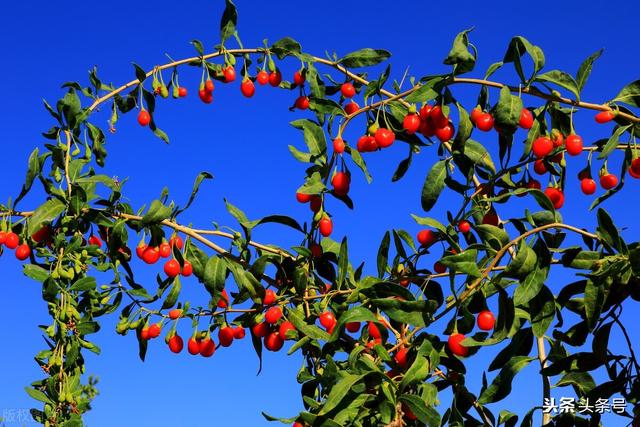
x,y
546,385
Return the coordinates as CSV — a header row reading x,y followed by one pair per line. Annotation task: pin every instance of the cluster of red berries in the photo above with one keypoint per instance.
x,y
430,121
199,343
151,255
485,320
12,241
376,138
274,329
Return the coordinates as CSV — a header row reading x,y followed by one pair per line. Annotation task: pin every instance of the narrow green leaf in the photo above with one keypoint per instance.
x,y
585,69
38,395
630,94
383,254
359,161
285,47
157,213
464,262
301,325
228,21
35,272
426,414
478,154
214,276
174,293
518,47
561,79
198,45
542,310
500,387
364,58
299,155
612,142
523,263
33,170
433,185
343,262
45,213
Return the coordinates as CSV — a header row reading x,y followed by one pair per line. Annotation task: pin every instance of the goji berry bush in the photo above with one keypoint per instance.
x,y
382,343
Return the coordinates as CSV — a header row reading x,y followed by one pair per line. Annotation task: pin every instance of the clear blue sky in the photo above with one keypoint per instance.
x,y
244,144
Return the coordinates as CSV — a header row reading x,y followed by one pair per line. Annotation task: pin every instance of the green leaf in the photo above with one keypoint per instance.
x,y
343,262
508,109
421,366
414,313
359,161
312,184
464,127
594,296
630,94
70,107
500,387
299,155
33,171
228,22
238,214
286,46
607,231
509,419
403,167
426,414
464,262
198,45
35,272
492,69
425,92
214,276
313,137
38,395
141,74
383,254
197,258
196,186
354,314
364,58
612,142
172,298
159,132
433,185
582,382
542,310
493,236
301,325
84,284
478,154
523,263
517,47
430,222
561,79
585,69
459,56
277,219
530,286
339,391
157,213
45,214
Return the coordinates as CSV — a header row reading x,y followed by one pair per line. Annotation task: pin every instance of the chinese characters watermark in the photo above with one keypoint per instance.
x,y
572,405
10,416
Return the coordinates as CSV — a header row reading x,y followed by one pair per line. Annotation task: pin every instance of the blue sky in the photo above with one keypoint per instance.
x,y
244,144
